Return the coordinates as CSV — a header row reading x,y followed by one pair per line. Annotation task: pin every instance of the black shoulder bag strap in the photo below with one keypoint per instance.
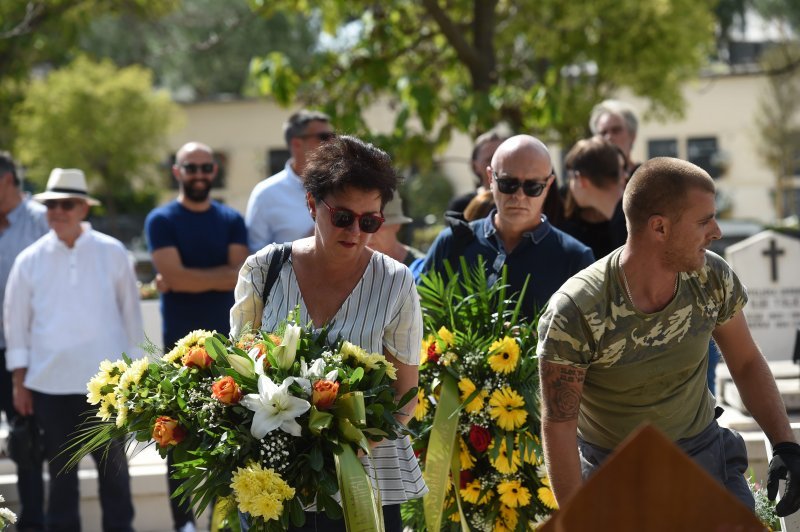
x,y
463,236
275,265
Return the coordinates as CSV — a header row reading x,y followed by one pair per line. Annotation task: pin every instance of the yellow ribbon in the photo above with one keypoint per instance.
x,y
361,503
441,445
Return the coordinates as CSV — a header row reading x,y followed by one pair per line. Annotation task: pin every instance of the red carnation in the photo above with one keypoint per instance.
x,y
433,355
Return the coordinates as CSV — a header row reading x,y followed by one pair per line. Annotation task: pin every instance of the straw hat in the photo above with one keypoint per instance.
x,y
393,212
66,183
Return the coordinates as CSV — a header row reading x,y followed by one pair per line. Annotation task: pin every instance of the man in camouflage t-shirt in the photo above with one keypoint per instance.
x,y
625,342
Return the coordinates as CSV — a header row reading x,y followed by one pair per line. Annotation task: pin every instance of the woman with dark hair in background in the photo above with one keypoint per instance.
x,y
363,296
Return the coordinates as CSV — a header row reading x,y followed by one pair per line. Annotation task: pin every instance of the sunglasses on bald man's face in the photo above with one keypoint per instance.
x,y
368,222
64,204
531,187
192,168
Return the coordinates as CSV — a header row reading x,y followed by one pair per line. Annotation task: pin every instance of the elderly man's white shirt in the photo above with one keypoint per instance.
x,y
277,211
67,309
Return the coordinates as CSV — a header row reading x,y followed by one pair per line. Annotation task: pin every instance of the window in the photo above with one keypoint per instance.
x,y
662,148
276,160
221,159
703,151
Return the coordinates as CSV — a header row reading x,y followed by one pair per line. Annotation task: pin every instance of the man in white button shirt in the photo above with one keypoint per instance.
x,y
277,209
71,302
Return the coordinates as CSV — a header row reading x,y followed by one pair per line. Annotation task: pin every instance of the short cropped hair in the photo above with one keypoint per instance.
x,y
7,165
614,107
660,186
297,123
346,161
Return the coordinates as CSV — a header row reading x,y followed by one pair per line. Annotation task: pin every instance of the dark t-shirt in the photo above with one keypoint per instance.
x,y
603,237
202,240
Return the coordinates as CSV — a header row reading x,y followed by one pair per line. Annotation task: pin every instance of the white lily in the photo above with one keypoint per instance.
x,y
274,408
286,352
242,365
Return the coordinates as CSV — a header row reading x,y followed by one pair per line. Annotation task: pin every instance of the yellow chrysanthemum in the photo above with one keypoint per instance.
x,y
505,355
133,374
513,494
506,406
446,336
467,461
193,339
547,497
370,361
122,414
509,515
505,464
422,405
455,517
104,412
467,388
260,492
471,492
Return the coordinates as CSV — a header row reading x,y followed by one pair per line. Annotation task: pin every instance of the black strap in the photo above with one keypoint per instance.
x,y
463,235
274,269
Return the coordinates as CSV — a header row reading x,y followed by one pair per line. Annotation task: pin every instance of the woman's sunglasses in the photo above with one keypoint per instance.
x,y
368,222
531,187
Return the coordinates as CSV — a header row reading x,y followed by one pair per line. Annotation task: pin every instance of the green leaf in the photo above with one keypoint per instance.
x,y
214,348
315,459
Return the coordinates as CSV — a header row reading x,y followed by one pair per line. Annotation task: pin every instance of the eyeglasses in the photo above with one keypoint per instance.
x,y
192,168
368,222
531,187
65,204
323,136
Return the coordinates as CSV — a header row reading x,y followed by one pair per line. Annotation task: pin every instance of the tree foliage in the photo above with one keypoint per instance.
x,y
539,65
202,48
43,34
106,121
778,123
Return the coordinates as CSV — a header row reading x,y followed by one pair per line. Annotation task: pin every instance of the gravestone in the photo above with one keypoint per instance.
x,y
768,264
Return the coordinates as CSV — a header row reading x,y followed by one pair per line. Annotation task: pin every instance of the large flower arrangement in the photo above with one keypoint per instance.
x,y
268,423
478,396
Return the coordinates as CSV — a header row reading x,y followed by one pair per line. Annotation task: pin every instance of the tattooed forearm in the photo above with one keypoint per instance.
x,y
562,387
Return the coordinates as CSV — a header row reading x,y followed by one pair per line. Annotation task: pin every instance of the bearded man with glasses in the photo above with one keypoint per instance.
x,y
198,246
515,233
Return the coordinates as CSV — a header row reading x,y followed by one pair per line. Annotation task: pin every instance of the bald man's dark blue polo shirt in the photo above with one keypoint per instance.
x,y
547,254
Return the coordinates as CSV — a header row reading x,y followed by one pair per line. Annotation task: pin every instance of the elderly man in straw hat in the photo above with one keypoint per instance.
x,y
71,302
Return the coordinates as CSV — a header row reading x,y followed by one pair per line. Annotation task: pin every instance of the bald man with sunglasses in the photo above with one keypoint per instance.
x,y
515,233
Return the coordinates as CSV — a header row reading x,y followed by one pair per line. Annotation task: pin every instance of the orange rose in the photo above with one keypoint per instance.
x,y
167,432
197,357
226,391
324,394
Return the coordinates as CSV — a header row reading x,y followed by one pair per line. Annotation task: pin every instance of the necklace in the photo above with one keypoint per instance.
x,y
628,288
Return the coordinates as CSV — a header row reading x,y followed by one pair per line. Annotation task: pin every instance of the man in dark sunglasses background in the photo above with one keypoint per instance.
x,y
198,246
516,233
277,210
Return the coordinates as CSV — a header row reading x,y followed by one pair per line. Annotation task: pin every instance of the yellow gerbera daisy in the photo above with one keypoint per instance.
x,y
446,336
422,405
423,352
505,464
509,515
467,461
467,388
471,492
504,355
506,406
513,494
547,497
